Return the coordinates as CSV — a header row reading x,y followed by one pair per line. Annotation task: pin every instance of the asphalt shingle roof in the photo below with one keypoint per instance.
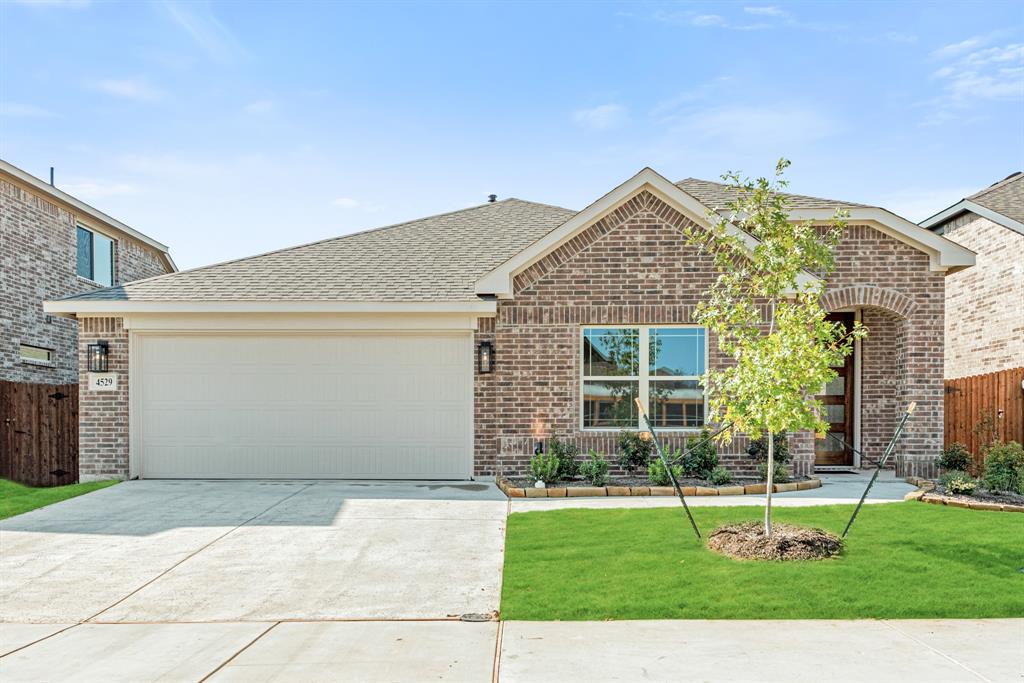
x,y
1005,197
439,258
718,195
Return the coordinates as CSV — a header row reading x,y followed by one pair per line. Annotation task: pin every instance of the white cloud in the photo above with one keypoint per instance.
x,y
260,107
708,20
602,117
990,73
129,89
768,10
918,203
778,127
202,26
346,202
25,111
955,49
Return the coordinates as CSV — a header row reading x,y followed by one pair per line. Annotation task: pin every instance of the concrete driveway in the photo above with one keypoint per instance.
x,y
210,551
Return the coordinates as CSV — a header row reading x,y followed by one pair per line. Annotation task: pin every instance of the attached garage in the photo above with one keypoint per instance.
x,y
302,405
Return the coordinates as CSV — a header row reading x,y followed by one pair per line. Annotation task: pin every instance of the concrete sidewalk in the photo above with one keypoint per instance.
x,y
898,651
836,489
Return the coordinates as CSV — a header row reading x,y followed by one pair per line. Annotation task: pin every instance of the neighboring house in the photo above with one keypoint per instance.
x,y
985,304
444,348
53,245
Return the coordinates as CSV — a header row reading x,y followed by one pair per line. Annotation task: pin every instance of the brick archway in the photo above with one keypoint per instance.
x,y
869,295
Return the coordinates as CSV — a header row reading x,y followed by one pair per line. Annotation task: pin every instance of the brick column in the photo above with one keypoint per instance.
x,y
103,415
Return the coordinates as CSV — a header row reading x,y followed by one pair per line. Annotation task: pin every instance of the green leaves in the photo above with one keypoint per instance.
x,y
765,311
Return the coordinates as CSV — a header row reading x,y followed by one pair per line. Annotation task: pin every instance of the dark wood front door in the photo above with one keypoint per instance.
x,y
835,450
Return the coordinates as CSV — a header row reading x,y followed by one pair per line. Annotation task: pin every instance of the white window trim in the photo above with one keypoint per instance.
x,y
644,379
113,255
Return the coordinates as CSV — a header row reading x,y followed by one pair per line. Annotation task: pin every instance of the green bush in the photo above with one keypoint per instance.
x,y
565,452
1004,468
955,458
781,472
958,481
759,448
595,470
658,475
634,450
720,476
702,458
544,467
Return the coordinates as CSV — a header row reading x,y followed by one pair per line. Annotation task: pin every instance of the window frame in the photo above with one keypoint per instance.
x,y
644,378
50,354
92,254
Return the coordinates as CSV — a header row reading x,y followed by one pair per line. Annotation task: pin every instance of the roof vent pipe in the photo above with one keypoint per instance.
x,y
491,198
51,176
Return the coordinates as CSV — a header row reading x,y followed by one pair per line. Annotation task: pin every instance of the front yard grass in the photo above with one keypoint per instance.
x,y
17,498
902,560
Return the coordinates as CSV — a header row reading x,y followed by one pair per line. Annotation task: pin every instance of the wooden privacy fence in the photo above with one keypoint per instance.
x,y
972,401
39,433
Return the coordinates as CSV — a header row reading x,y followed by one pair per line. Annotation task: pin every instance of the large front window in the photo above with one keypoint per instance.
x,y
95,257
660,365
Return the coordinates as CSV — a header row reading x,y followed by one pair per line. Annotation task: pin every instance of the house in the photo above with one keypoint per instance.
x,y
446,347
53,245
985,304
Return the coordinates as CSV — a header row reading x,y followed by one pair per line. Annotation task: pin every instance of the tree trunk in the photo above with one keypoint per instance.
x,y
768,490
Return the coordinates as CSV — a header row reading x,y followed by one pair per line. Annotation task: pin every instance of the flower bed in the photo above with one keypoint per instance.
x,y
638,486
929,491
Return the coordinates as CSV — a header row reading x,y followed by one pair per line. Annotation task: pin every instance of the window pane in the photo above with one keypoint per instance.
x,y
836,387
85,253
35,353
611,351
610,404
835,413
103,256
833,442
677,403
677,352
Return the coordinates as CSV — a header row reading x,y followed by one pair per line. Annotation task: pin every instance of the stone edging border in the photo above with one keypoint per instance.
x,y
925,487
592,491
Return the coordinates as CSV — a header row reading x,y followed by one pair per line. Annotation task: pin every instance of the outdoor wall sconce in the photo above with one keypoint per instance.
x,y
539,448
99,356
486,357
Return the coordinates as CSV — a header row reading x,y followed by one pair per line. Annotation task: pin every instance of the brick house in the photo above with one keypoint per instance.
x,y
445,348
53,245
985,304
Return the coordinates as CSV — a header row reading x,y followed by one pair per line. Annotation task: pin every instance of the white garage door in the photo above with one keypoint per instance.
x,y
298,406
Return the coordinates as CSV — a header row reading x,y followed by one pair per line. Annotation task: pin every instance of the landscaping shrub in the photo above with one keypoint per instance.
x,y
720,476
1004,468
957,481
544,467
658,475
703,457
595,470
955,458
759,448
634,450
781,475
565,452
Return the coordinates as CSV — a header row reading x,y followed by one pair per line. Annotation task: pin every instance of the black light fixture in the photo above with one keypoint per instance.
x,y
99,356
485,357
539,448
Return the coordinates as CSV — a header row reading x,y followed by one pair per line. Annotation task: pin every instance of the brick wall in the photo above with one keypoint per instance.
x,y
38,251
985,325
635,267
103,415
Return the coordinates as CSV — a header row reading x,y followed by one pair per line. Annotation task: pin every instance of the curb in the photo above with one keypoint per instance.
x,y
619,491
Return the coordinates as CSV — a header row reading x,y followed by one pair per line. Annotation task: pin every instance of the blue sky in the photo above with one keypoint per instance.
x,y
228,129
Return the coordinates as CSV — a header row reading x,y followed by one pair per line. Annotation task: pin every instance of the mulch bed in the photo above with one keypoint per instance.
x,y
527,482
984,495
747,541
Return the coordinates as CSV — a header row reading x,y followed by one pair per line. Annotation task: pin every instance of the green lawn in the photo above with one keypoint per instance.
x,y
18,498
905,560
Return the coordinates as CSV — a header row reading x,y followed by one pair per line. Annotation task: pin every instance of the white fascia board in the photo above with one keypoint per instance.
x,y
968,205
499,281
98,307
943,253
77,204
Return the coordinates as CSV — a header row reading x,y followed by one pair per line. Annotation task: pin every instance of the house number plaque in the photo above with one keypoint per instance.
x,y
102,381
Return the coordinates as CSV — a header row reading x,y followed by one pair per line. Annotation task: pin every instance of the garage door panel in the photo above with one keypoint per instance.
x,y
295,406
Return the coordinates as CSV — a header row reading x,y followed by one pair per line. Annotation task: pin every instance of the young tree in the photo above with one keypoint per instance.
x,y
765,310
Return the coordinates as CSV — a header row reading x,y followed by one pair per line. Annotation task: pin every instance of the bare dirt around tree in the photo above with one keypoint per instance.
x,y
748,541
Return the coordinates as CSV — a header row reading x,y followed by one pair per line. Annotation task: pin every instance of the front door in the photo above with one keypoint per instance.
x,y
835,450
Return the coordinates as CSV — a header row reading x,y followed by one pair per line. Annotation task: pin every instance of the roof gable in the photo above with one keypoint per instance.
x,y
1002,203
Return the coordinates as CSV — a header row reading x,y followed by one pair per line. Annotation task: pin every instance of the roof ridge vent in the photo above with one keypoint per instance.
x,y
491,198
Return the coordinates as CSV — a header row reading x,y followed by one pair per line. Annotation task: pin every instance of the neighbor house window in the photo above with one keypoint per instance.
x,y
36,353
660,365
95,257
